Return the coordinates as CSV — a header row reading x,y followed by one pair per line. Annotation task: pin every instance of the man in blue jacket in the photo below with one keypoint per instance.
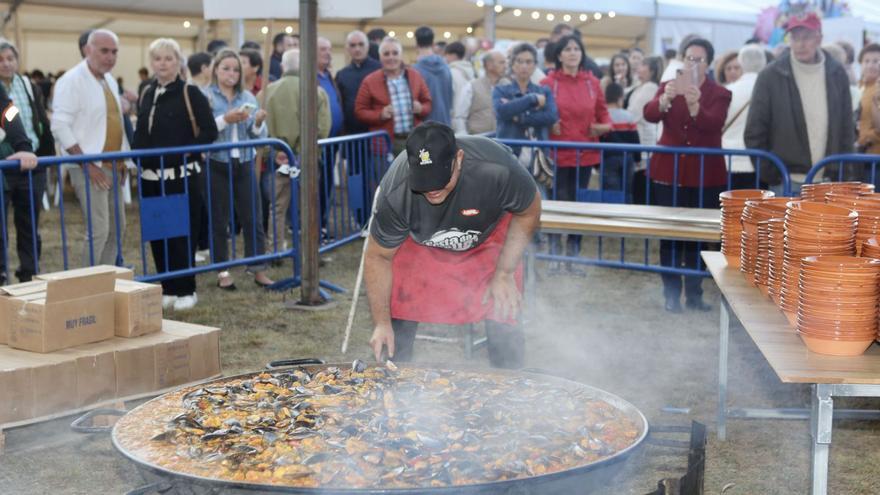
x,y
349,79
437,76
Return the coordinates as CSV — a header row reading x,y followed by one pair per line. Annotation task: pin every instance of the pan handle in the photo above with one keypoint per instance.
x,y
83,424
283,363
542,371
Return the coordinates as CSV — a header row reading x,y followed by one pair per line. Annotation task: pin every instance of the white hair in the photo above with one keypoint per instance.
x,y
752,58
162,44
321,38
389,39
354,34
94,34
290,60
488,56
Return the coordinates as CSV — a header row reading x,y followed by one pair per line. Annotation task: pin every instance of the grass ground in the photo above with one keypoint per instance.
x,y
607,329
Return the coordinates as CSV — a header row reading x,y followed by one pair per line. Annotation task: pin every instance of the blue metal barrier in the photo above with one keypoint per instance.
x,y
164,216
351,169
867,163
616,184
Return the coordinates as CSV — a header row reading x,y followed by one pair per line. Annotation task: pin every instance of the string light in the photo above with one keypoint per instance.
x,y
566,18
517,12
288,30
498,9
611,14
391,34
447,34
480,3
536,15
264,29
583,17
410,34
550,17
597,15
469,30
186,24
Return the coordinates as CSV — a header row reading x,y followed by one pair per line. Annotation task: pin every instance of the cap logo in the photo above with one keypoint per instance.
x,y
424,157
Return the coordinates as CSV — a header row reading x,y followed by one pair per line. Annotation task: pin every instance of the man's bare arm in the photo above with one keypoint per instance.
x,y
377,274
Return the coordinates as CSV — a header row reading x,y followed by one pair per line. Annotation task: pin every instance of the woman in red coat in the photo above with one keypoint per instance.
x,y
693,109
583,116
394,99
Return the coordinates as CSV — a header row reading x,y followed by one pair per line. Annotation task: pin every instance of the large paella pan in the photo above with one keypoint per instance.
x,y
383,429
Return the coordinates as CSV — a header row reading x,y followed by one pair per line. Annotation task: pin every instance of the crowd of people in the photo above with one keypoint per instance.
x,y
801,104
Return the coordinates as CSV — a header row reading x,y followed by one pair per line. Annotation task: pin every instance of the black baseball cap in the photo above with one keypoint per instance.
x,y
430,151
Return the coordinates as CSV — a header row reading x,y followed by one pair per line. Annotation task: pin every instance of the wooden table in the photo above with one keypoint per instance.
x,y
830,376
624,220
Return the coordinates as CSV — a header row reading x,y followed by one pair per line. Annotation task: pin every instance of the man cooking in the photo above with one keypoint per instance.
x,y
451,220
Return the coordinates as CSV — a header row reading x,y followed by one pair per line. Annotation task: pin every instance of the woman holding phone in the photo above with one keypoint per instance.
x,y
583,116
693,110
238,118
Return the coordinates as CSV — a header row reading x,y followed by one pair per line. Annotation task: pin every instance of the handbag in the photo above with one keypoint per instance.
x,y
535,160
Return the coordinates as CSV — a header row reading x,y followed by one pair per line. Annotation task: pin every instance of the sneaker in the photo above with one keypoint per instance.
x,y
168,301
184,303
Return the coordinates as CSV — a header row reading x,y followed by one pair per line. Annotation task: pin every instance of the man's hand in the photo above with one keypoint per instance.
x,y
383,335
96,176
506,296
387,112
28,160
417,107
542,100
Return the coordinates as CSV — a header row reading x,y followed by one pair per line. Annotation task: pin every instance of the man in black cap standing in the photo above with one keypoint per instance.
x,y
451,220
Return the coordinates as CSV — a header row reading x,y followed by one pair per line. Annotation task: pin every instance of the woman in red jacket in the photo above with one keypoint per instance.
x,y
693,109
583,117
394,99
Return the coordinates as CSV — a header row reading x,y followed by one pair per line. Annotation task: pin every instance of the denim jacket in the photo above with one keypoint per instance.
x,y
516,112
220,105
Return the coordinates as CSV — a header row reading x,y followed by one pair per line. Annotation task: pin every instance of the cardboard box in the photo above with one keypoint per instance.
x,y
36,384
13,291
121,273
135,362
76,308
138,308
204,347
95,372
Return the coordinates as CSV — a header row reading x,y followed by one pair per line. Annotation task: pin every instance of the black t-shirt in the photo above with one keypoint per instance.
x,y
491,183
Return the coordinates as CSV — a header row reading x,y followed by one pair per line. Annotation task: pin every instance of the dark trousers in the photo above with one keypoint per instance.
x,y
505,343
246,203
682,254
21,193
180,251
568,181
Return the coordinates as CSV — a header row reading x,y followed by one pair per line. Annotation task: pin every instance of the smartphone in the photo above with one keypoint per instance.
x,y
247,108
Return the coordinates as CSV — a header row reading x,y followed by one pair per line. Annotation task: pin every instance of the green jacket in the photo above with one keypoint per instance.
x,y
282,106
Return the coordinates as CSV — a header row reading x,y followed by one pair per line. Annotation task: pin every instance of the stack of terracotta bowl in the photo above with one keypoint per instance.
x,y
868,209
866,188
837,308
754,214
776,250
732,205
817,191
812,229
871,248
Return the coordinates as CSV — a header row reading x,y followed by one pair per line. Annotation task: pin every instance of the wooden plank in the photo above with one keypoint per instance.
x,y
665,214
778,341
554,222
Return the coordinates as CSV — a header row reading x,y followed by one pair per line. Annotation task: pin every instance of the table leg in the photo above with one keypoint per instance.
x,y
820,430
723,347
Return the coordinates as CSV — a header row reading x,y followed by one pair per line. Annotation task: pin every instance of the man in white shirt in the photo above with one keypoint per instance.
x,y
473,112
87,119
752,59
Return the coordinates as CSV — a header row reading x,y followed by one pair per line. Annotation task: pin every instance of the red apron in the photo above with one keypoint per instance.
x,y
433,285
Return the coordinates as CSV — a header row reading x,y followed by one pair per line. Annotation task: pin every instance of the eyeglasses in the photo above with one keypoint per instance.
x,y
352,45
527,61
694,60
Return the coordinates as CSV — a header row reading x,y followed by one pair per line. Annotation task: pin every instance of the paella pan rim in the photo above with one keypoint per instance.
x,y
616,401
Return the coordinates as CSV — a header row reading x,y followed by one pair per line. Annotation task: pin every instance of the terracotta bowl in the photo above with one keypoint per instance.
x,y
836,348
745,195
